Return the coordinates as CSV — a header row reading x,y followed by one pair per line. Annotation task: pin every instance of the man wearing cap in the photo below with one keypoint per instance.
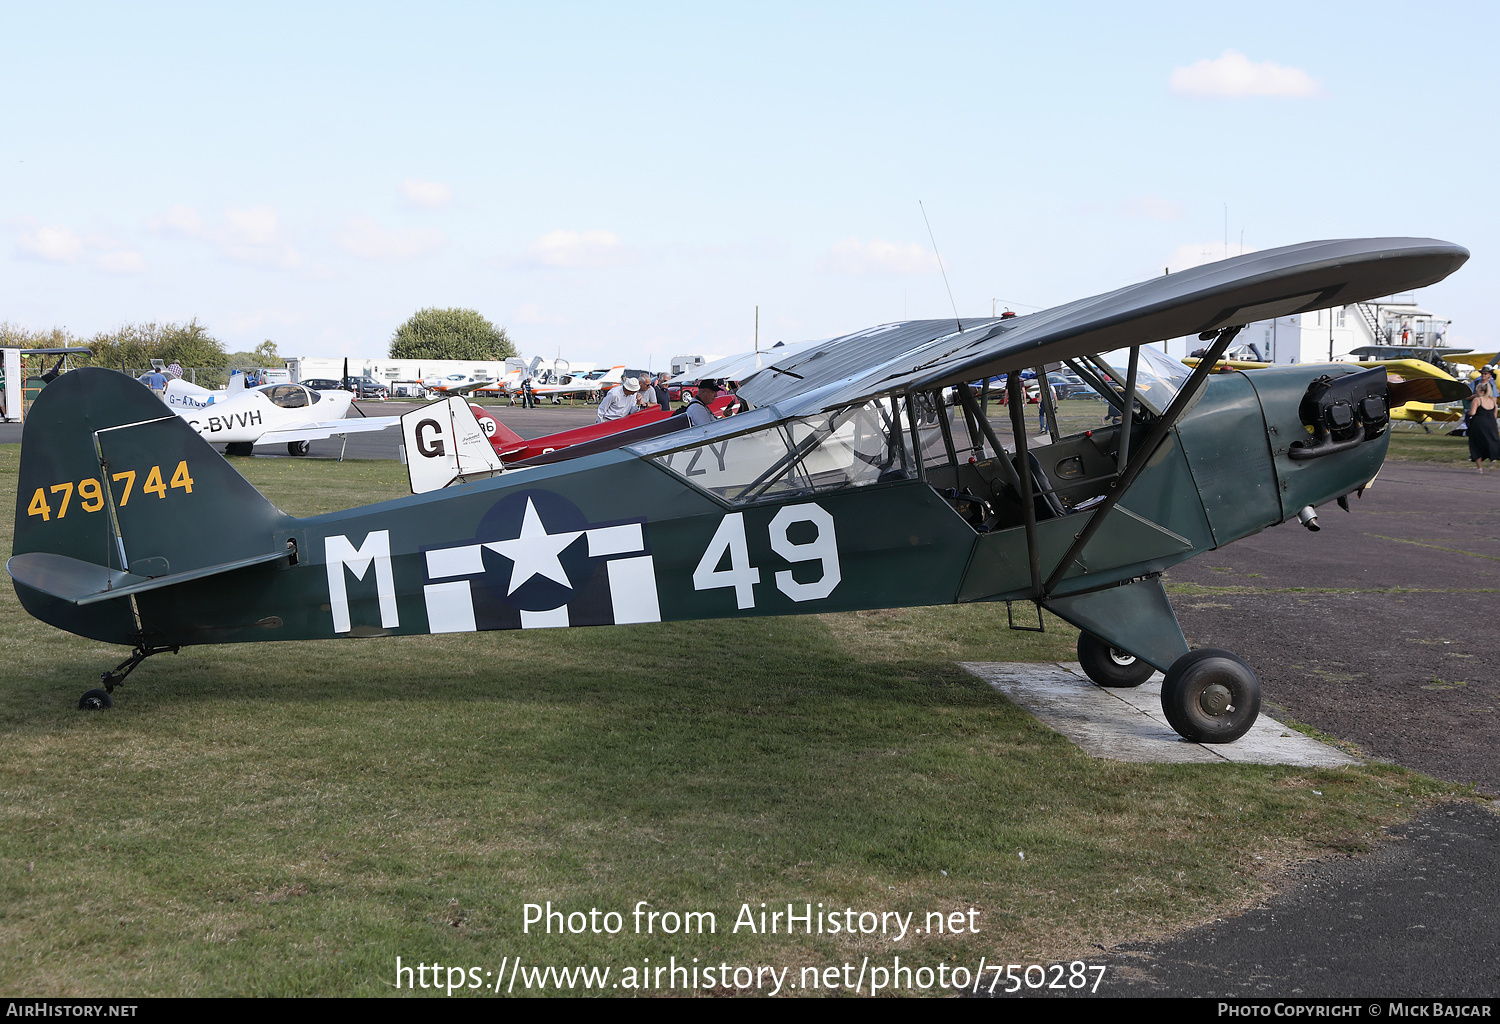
x,y
619,402
698,411
663,396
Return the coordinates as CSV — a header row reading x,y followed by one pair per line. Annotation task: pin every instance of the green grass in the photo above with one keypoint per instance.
x,y
1411,444
287,819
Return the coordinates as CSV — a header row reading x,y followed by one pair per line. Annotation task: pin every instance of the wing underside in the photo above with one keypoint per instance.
x,y
330,428
933,354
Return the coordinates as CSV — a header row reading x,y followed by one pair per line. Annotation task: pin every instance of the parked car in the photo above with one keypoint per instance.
x,y
367,387
1069,385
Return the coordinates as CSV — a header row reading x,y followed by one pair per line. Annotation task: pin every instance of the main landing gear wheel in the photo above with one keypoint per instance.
x,y
1110,666
239,448
1211,696
298,447
95,700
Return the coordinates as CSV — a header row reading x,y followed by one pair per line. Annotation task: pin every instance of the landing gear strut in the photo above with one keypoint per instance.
x,y
98,700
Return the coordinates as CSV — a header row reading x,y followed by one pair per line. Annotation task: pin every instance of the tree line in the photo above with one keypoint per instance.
x,y
428,334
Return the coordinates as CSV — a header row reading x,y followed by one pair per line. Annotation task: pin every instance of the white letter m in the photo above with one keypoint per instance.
x,y
340,554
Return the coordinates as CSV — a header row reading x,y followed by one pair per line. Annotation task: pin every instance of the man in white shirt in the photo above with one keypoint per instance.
x,y
619,402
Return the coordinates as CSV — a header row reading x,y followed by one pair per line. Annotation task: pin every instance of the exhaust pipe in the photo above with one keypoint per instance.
x,y
1308,517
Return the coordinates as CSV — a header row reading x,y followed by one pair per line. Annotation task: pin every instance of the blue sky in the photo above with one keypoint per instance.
x,y
622,183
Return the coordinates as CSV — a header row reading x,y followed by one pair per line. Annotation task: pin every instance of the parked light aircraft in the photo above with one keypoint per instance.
x,y
1419,388
291,414
561,385
871,474
513,448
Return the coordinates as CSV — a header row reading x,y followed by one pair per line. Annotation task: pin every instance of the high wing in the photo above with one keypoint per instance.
x,y
933,354
330,428
745,364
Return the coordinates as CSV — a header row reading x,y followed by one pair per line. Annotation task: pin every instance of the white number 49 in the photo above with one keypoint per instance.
x,y
729,541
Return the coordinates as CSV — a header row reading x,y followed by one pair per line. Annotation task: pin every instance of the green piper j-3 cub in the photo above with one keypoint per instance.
x,y
871,471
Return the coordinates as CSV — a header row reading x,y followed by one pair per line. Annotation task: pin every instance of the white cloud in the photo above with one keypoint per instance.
x,y
367,239
428,194
252,235
852,256
1235,75
255,226
1195,254
591,249
1152,208
179,220
51,243
121,261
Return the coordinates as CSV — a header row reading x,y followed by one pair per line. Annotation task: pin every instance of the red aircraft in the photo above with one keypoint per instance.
x,y
513,448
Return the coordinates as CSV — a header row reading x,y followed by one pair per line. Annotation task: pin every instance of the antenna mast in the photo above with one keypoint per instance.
x,y
940,265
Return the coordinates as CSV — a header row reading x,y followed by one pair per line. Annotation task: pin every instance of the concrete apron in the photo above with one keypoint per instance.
x,y
1127,724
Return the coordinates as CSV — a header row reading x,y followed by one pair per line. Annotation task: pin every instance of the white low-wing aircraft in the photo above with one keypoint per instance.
x,y
289,414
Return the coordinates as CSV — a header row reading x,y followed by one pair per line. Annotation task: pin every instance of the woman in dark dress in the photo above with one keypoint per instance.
x,y
1484,439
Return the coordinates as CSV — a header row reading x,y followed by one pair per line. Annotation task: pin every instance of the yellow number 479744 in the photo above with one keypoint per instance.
x,y
91,493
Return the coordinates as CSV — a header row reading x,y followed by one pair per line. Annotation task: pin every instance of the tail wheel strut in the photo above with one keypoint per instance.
x,y
99,699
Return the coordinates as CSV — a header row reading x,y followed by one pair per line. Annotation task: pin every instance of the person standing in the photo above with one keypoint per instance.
x,y
698,411
1484,438
619,402
663,396
528,398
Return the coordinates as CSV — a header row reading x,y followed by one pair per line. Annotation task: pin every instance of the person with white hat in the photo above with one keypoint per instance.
x,y
620,402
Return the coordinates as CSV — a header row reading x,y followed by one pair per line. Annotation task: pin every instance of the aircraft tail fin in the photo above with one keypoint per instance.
x,y
503,437
112,479
445,444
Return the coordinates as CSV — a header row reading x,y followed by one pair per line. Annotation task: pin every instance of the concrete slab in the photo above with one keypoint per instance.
x,y
1128,724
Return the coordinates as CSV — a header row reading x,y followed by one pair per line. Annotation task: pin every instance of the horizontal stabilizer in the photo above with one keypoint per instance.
x,y
81,583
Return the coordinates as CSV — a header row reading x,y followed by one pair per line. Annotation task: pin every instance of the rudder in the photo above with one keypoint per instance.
x,y
111,477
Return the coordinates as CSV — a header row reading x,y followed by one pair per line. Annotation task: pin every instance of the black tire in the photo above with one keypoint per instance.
x,y
95,700
298,447
240,448
1211,696
1110,666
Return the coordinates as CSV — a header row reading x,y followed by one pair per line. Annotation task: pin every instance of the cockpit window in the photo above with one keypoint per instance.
x,y
291,396
1158,376
848,447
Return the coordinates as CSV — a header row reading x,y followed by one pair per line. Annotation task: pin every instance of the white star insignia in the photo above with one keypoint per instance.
x,y
535,552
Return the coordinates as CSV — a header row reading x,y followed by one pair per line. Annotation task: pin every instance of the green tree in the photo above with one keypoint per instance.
x,y
16,336
135,345
450,334
263,354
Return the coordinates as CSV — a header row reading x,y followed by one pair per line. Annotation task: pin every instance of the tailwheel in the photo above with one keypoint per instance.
x,y
1211,696
298,447
1110,666
95,700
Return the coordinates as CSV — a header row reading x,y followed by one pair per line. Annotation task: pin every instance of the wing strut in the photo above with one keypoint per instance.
x,y
1127,413
1017,394
1184,401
